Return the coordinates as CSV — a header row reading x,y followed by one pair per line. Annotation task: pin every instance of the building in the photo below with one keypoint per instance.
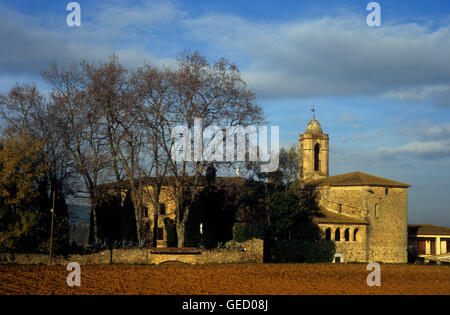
x,y
365,215
428,242
167,204
116,215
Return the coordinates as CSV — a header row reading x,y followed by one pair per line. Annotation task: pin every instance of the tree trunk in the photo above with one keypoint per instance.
x,y
93,230
135,198
181,224
180,234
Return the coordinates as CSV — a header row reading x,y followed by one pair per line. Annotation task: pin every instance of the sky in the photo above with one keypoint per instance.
x,y
381,93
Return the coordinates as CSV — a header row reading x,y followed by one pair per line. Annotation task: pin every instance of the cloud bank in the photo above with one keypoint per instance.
x,y
320,57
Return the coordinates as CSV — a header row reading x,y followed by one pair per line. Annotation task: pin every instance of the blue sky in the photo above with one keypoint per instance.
x,y
382,94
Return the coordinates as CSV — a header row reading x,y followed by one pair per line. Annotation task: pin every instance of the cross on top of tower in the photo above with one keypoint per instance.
x,y
314,112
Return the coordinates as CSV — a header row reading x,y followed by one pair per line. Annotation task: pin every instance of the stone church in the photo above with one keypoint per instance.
x,y
365,215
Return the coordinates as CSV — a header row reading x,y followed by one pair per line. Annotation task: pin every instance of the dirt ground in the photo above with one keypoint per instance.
x,y
232,279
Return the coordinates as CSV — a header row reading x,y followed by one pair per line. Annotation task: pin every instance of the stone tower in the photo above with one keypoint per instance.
x,y
313,150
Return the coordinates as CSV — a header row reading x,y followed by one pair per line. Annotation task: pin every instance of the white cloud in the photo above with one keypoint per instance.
x,y
427,131
30,44
439,94
427,145
328,56
427,149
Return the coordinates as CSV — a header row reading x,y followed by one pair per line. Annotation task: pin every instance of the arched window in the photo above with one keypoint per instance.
x,y
316,156
337,235
328,234
355,233
347,235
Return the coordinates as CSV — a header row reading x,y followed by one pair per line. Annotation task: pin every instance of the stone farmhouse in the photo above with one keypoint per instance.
x,y
365,215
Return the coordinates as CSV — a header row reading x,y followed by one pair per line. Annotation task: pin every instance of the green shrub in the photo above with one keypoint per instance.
x,y
301,251
255,230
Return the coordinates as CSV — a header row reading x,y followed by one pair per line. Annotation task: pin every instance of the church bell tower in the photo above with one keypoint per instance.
x,y
313,150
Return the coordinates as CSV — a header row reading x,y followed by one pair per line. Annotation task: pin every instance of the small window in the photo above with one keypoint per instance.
x,y
162,209
347,235
377,211
160,234
337,235
355,233
339,208
328,234
145,212
386,191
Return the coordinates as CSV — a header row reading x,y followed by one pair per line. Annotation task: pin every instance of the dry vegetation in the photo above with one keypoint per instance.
x,y
226,279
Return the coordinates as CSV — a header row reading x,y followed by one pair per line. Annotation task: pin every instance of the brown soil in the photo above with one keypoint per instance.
x,y
226,279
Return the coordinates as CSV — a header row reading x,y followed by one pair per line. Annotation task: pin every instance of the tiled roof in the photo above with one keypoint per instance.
x,y
355,179
326,216
427,229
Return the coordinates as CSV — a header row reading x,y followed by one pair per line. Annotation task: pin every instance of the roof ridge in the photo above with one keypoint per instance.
x,y
356,179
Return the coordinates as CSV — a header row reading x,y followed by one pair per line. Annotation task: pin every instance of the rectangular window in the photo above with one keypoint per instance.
x,y
160,234
145,212
339,208
162,209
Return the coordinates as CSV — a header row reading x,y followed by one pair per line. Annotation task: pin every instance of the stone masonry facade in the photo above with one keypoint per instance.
x,y
380,234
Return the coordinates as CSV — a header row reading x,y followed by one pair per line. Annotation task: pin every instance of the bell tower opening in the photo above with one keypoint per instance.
x,y
316,157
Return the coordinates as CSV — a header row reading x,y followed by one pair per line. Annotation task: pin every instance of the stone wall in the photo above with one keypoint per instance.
x,y
250,251
387,231
385,210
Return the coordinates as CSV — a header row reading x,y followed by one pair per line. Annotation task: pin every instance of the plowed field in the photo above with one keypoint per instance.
x,y
226,279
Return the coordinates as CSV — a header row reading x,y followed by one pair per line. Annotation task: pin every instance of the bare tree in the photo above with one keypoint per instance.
x,y
217,94
114,97
155,99
79,124
107,122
